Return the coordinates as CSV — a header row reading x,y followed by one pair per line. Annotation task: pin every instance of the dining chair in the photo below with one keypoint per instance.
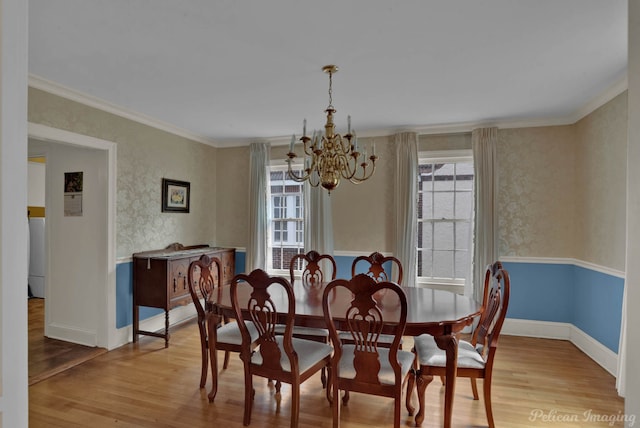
x,y
317,270
364,366
475,359
283,357
375,264
204,275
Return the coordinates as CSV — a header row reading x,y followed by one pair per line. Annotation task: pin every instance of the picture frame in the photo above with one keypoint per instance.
x,y
175,196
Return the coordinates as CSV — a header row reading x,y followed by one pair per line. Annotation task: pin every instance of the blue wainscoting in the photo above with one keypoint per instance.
x,y
589,299
564,292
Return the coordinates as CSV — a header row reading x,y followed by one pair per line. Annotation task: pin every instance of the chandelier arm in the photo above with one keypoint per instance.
x,y
365,176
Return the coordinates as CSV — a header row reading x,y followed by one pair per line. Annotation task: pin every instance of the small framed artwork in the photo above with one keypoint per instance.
x,y
175,196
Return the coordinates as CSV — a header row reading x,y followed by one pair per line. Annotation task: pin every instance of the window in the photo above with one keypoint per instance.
x,y
286,225
445,213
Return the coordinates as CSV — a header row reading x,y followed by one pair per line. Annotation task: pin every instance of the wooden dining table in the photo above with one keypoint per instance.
x,y
440,313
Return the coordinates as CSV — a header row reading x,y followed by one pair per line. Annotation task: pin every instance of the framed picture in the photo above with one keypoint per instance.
x,y
175,196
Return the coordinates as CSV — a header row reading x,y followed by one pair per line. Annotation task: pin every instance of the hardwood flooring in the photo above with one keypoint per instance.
x,y
537,382
48,357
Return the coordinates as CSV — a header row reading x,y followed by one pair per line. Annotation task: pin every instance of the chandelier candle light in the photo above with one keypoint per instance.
x,y
331,156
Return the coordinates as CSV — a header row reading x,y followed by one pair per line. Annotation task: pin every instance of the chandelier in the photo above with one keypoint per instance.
x,y
329,157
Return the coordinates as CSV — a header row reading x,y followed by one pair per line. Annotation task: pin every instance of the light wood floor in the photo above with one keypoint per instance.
x,y
146,385
48,357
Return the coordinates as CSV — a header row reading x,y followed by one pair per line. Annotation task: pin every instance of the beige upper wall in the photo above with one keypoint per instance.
x,y
602,176
145,156
537,192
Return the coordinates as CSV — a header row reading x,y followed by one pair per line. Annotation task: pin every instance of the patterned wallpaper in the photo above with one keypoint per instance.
x,y
145,156
537,192
602,178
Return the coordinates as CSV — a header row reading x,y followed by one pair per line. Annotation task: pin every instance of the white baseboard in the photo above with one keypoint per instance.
x,y
156,323
564,331
72,334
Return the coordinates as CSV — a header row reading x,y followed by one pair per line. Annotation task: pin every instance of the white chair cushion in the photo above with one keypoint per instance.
x,y
230,333
306,331
430,355
309,352
385,376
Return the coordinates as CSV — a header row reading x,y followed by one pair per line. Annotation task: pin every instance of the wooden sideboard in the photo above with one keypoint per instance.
x,y
160,279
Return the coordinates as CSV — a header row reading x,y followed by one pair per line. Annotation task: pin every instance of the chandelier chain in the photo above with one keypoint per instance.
x,y
330,90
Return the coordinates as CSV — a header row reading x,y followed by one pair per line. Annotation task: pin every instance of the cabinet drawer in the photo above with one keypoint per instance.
x,y
178,285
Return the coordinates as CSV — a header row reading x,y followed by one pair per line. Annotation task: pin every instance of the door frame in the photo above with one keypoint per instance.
x,y
106,331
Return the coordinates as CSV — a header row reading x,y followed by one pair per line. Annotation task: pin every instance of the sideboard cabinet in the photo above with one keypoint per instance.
x,y
160,279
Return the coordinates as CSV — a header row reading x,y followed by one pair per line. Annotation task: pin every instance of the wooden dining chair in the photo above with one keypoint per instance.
x,y
317,270
283,357
475,359
204,276
375,264
364,366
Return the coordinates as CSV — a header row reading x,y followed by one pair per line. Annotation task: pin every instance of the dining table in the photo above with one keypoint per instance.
x,y
440,313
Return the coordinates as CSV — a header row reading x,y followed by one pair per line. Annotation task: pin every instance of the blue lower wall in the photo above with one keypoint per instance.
x,y
588,299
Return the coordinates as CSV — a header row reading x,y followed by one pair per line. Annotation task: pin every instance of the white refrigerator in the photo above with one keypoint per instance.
x,y
36,256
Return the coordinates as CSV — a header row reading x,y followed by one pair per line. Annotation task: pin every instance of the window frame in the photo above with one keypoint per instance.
x,y
434,157
299,197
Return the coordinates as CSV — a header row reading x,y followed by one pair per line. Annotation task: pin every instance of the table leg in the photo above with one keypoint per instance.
x,y
212,322
449,344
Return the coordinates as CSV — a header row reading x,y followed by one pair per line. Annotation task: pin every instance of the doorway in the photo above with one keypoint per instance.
x,y
80,261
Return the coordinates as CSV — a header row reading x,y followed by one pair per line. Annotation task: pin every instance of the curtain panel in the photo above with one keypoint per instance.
x,y
256,256
318,223
405,202
485,248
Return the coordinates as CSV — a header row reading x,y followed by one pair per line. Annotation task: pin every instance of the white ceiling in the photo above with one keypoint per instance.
x,y
230,71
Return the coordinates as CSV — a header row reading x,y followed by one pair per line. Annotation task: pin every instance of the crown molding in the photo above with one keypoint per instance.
x,y
450,128
601,99
95,102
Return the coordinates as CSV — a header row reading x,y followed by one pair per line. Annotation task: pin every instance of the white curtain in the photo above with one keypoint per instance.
x,y
256,256
485,249
318,223
405,201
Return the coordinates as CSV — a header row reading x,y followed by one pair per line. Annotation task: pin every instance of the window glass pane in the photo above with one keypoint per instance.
x,y
443,264
463,237
443,205
443,236
463,205
425,265
463,264
425,235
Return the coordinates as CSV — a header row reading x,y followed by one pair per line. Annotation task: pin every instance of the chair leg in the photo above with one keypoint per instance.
x,y
345,398
205,354
329,385
295,404
248,396
421,385
410,385
474,388
225,364
323,377
486,386
212,355
335,406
